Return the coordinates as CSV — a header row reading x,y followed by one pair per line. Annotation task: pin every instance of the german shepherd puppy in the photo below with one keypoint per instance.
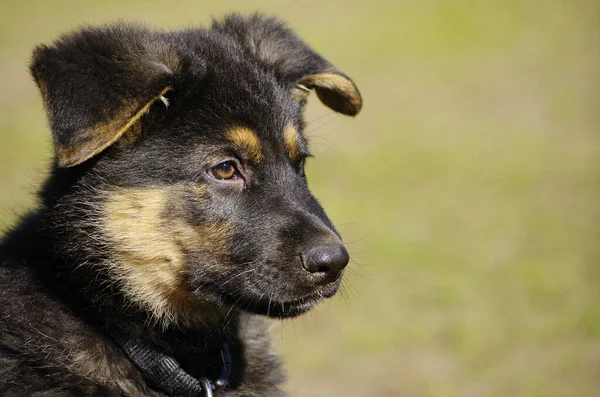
x,y
176,215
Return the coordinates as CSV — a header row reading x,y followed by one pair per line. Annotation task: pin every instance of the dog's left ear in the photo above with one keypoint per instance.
x,y
96,84
293,60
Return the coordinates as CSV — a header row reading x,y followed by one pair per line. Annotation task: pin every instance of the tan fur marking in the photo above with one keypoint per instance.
x,y
245,139
290,138
131,136
336,83
104,134
150,251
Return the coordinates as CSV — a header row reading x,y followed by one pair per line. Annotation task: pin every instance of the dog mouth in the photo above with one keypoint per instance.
x,y
274,307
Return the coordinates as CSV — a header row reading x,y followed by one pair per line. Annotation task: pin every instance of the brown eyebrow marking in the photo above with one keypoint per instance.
x,y
292,143
245,139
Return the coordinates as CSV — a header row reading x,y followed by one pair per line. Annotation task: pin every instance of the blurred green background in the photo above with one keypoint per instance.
x,y
468,189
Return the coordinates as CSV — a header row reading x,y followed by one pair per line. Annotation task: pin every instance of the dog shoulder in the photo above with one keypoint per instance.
x,y
46,347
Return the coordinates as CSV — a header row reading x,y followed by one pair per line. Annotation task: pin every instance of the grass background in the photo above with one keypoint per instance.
x,y
468,189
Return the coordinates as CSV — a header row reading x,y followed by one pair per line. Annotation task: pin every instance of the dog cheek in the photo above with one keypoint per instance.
x,y
203,235
153,250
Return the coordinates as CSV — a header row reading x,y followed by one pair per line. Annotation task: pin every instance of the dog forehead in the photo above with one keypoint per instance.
x,y
231,97
244,103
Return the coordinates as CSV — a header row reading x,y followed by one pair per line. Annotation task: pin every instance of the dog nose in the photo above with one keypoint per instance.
x,y
326,262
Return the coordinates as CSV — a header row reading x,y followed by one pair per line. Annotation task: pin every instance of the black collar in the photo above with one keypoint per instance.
x,y
165,373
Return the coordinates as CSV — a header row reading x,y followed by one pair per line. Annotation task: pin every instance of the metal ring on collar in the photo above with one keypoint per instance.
x,y
207,386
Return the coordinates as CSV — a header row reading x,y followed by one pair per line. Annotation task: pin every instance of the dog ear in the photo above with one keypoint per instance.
x,y
96,84
293,60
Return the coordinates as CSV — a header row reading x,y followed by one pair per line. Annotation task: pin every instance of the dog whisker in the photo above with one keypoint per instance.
x,y
238,275
269,305
353,272
320,117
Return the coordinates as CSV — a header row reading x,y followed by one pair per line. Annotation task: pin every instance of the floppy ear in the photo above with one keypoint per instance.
x,y
96,84
293,60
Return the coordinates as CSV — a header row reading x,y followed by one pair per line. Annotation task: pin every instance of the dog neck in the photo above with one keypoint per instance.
x,y
164,371
177,360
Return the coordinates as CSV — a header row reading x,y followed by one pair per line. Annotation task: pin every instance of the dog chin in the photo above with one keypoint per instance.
x,y
274,308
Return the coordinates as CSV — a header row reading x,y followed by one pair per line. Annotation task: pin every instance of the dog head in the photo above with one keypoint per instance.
x,y
189,152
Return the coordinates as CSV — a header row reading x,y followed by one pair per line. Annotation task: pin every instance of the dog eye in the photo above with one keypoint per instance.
x,y
225,170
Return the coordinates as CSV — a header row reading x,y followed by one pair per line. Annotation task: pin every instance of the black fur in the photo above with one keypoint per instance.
x,y
140,122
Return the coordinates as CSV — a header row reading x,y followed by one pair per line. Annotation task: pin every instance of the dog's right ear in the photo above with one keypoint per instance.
x,y
294,61
97,83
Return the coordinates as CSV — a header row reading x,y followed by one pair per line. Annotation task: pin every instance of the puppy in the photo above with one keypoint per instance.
x,y
176,215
